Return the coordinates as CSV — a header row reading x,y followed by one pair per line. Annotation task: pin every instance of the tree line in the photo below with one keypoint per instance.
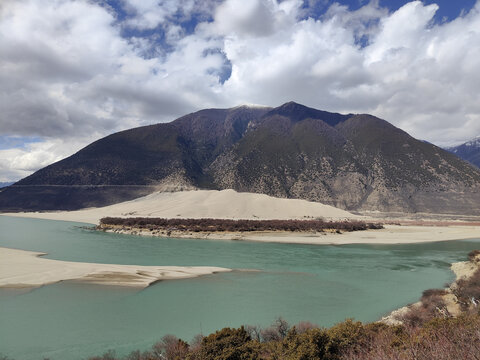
x,y
218,225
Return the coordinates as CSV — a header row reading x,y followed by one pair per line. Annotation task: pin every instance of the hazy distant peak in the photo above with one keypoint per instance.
x,y
469,151
475,142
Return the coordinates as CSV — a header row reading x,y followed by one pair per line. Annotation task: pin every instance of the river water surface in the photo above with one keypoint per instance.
x,y
320,284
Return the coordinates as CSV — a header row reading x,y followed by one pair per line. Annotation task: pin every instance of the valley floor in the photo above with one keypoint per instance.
x,y
229,204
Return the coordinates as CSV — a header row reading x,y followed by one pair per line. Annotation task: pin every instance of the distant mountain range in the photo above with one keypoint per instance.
x,y
5,184
355,162
469,151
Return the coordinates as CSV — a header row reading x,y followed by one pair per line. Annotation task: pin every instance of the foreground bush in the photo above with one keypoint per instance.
x,y
468,291
439,338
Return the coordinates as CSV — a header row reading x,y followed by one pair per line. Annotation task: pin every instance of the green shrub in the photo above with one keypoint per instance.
x,y
345,335
227,344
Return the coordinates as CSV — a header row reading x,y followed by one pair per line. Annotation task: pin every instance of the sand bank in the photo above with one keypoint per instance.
x,y
19,268
225,204
391,234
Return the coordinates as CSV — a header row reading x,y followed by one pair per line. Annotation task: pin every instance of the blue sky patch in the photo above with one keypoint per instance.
x,y
17,142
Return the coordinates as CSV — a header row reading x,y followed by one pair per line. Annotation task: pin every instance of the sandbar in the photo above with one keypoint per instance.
x,y
22,269
391,234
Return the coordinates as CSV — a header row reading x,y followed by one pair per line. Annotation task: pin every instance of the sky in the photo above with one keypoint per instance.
x,y
73,71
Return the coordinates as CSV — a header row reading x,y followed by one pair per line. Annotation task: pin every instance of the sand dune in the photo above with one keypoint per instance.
x,y
225,204
19,268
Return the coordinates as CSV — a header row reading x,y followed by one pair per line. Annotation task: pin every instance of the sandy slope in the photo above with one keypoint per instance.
x,y
19,268
225,204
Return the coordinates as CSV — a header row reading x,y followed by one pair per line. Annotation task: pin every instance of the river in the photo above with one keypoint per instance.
x,y
320,284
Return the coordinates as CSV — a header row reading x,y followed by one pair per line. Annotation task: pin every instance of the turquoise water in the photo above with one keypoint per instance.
x,y
321,284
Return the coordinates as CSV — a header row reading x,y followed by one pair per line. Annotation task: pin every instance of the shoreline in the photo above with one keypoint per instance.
x,y
26,269
391,234
408,232
463,270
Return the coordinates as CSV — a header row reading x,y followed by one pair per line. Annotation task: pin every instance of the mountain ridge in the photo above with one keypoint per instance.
x,y
356,162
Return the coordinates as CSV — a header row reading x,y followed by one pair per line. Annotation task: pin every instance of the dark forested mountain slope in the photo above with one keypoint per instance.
x,y
356,162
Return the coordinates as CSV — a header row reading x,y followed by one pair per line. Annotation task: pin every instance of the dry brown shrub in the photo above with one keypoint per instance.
x,y
468,291
170,348
216,225
432,305
303,326
433,292
276,332
439,339
472,255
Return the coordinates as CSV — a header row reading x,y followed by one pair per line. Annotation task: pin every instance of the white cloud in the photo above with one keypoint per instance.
x,y
415,74
245,17
403,31
16,163
149,14
68,76
66,70
426,74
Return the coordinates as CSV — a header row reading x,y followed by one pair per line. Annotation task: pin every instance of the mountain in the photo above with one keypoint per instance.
x,y
355,162
5,184
469,151
133,163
